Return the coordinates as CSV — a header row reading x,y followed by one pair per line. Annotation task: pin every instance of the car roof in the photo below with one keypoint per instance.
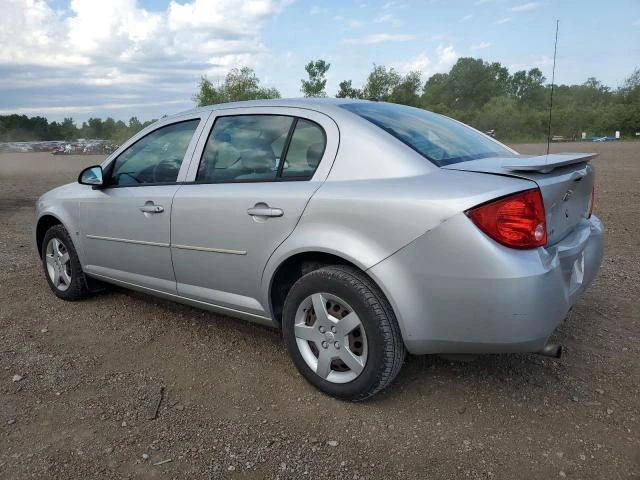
x,y
325,105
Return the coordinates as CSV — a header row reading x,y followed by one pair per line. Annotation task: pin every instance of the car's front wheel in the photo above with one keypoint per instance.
x,y
61,265
341,333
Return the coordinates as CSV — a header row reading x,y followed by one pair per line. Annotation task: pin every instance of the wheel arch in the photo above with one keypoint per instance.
x,y
291,268
45,222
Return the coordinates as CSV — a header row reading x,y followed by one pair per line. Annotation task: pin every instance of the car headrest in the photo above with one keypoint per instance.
x,y
259,158
314,154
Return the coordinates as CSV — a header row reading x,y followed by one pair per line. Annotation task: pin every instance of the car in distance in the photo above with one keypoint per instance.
x,y
364,230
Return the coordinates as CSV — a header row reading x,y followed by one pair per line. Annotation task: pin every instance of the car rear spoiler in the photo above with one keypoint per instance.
x,y
546,163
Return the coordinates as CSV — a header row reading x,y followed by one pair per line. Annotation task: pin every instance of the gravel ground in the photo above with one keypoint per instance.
x,y
79,381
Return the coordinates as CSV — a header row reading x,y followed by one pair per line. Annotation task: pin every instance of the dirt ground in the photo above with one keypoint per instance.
x,y
235,407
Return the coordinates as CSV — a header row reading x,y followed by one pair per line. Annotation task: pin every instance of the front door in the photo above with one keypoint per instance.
x,y
250,188
126,226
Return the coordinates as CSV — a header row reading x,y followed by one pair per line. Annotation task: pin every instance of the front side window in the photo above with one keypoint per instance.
x,y
261,148
155,158
439,139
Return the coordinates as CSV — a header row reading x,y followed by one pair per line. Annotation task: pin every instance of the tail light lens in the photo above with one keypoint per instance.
x,y
517,221
592,201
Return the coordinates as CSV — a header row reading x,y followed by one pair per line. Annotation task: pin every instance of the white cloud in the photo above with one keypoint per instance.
x,y
100,55
377,38
390,19
117,42
636,23
503,20
388,5
479,46
355,24
445,58
531,62
542,61
524,7
466,18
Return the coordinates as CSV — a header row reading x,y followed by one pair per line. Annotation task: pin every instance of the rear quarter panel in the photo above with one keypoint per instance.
x,y
366,221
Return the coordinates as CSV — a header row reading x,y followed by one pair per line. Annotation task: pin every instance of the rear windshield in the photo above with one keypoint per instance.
x,y
439,139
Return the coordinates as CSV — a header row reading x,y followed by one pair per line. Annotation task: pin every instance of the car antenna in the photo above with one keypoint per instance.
x,y
553,77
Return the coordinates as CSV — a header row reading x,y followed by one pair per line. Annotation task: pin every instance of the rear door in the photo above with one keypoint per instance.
x,y
258,169
126,225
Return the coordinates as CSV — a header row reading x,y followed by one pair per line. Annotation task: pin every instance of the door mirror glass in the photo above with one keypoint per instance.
x,y
91,176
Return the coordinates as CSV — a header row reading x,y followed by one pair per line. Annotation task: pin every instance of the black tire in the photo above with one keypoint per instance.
x,y
386,350
78,287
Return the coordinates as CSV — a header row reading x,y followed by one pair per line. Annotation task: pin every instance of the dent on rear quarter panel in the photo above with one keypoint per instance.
x,y
371,219
366,221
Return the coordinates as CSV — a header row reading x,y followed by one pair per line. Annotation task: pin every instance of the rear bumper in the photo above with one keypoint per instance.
x,y
454,290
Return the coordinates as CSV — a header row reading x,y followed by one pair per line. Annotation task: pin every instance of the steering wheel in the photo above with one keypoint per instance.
x,y
163,169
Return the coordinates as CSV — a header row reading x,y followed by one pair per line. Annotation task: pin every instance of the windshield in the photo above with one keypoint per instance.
x,y
441,140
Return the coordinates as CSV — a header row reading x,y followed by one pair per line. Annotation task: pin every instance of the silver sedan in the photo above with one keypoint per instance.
x,y
363,230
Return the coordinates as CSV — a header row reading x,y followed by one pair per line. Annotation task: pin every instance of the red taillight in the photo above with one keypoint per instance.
x,y
592,201
517,221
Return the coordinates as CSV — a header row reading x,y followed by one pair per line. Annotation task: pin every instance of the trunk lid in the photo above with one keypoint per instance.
x,y
565,181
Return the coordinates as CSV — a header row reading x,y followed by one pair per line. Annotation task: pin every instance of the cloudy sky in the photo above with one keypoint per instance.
x,y
119,58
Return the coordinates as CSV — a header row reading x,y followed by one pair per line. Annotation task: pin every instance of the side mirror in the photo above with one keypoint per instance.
x,y
91,176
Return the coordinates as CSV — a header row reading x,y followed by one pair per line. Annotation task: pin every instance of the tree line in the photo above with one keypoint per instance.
x,y
483,94
20,128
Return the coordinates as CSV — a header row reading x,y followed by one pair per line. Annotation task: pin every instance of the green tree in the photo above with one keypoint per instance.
x,y
381,83
68,129
134,125
471,83
55,131
346,90
528,88
407,92
317,81
239,84
434,92
108,128
629,95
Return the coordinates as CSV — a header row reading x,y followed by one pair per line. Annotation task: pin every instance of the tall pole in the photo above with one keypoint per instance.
x,y
553,78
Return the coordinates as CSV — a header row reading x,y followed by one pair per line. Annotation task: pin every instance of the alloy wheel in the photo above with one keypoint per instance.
x,y
331,338
58,264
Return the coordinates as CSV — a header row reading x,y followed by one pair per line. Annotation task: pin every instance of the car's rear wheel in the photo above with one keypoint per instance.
x,y
341,333
62,266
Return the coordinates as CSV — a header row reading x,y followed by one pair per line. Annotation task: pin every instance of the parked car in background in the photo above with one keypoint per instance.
x,y
491,133
363,230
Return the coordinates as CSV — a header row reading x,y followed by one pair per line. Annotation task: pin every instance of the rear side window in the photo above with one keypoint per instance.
x,y
244,148
261,148
439,139
305,150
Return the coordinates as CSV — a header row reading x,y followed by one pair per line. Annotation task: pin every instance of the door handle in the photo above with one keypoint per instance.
x,y
265,211
151,208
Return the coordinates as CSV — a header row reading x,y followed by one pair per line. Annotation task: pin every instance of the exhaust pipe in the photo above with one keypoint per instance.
x,y
553,350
